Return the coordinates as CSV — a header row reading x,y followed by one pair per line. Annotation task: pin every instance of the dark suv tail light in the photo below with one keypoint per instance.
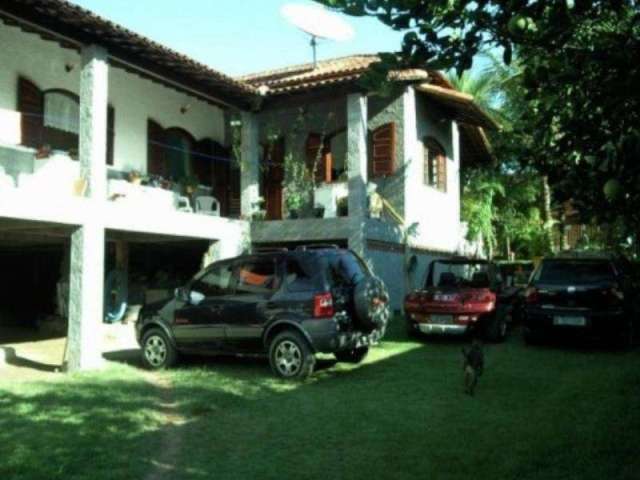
x,y
323,305
531,295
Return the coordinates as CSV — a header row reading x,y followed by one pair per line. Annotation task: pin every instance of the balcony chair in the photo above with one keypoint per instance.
x,y
207,205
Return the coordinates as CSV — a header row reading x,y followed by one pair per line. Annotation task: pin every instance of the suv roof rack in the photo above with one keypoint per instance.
x,y
270,249
318,246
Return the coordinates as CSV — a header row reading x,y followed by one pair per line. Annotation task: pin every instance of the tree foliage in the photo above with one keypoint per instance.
x,y
578,80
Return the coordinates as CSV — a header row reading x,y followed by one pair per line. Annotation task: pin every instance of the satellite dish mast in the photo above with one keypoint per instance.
x,y
319,23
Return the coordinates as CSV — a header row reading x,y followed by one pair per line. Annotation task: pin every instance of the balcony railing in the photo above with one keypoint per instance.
x,y
57,176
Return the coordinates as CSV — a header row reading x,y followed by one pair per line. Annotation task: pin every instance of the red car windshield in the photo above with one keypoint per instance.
x,y
472,274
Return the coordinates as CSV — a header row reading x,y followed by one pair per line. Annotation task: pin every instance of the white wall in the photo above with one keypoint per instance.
x,y
135,99
436,212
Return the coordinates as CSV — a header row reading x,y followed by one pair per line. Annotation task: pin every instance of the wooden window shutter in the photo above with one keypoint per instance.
x,y
111,133
31,105
275,159
383,150
234,193
156,164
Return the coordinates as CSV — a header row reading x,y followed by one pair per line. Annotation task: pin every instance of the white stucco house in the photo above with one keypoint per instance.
x,y
112,148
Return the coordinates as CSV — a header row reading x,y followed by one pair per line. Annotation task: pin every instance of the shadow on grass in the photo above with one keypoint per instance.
x,y
11,358
401,414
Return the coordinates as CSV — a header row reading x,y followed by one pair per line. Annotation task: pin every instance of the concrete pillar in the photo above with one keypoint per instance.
x,y
86,285
94,87
86,297
357,169
454,177
412,154
249,165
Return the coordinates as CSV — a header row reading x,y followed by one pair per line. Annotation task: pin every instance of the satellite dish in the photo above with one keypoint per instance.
x,y
317,22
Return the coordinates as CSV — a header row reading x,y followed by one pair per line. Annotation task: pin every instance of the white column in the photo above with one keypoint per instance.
x,y
411,154
94,88
357,169
86,293
454,177
249,164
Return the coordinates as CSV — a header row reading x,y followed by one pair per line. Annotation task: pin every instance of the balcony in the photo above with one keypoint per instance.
x,y
54,177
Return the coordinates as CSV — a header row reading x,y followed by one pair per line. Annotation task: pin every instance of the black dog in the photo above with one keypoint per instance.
x,y
473,366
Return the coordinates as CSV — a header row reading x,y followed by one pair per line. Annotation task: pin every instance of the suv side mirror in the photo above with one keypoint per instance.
x,y
182,294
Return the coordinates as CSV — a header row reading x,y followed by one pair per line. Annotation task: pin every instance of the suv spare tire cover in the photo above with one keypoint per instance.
x,y
371,304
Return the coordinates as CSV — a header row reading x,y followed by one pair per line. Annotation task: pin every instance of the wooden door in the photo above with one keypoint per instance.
x,y
274,176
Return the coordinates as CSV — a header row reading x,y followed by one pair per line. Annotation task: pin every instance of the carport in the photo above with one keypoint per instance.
x,y
48,290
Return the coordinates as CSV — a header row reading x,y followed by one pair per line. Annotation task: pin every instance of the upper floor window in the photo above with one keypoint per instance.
x,y
383,151
52,118
434,164
61,119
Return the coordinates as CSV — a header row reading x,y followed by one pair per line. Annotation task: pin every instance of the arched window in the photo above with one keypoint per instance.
x,y
52,117
180,148
434,164
61,110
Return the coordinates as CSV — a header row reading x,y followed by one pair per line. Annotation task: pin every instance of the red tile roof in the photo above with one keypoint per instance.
x,y
84,27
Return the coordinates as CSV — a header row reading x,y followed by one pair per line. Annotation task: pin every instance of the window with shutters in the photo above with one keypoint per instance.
x,y
172,153
52,118
326,156
383,150
434,164
61,120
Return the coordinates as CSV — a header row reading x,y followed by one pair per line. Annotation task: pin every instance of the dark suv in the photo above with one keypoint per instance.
x,y
286,304
588,293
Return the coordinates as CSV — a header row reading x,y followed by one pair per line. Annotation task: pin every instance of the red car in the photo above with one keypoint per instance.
x,y
460,295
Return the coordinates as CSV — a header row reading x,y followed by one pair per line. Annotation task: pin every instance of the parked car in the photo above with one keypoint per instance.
x,y
581,293
459,295
515,276
288,305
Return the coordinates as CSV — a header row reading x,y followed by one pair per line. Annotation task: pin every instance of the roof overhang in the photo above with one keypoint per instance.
x,y
72,27
462,106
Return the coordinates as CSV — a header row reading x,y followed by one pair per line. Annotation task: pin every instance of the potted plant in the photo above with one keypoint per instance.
x,y
294,202
135,177
190,184
298,186
342,206
259,212
318,211
43,152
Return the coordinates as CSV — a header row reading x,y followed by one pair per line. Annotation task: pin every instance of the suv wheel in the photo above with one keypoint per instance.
x,y
157,351
355,355
290,356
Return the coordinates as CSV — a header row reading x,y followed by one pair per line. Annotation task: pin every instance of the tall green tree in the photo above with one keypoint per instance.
x,y
579,79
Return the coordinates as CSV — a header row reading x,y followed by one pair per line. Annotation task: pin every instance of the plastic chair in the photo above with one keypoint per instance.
x,y
207,205
182,204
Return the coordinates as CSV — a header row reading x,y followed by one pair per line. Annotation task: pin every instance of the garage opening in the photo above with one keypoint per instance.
x,y
34,284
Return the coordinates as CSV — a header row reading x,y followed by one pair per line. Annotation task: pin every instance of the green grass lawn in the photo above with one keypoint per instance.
x,y
548,412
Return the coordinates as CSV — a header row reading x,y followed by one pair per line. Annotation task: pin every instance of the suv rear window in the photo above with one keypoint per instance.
x,y
345,267
561,272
